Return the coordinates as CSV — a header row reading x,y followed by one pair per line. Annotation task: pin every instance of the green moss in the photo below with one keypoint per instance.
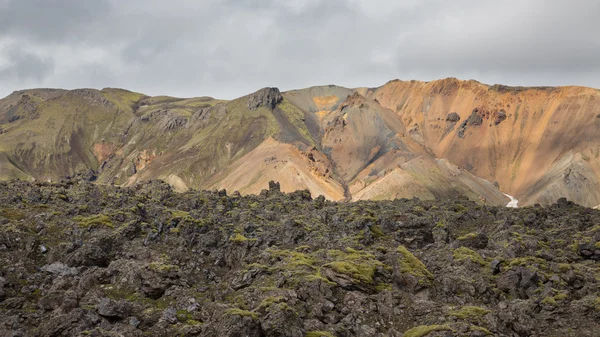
x,y
319,334
12,214
317,276
269,301
159,266
418,210
528,261
468,236
359,265
549,300
574,247
564,267
241,312
561,296
383,287
458,208
357,271
94,220
239,238
482,329
596,304
424,330
376,231
292,258
470,312
180,215
411,265
184,316
192,322
257,266
464,253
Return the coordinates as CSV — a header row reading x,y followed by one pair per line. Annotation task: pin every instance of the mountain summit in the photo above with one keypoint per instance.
x,y
404,139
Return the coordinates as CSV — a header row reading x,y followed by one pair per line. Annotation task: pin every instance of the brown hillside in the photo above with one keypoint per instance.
x,y
406,138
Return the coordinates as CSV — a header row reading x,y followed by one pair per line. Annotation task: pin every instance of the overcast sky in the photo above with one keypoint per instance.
x,y
228,48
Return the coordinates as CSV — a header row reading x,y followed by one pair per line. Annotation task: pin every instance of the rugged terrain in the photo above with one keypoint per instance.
x,y
406,138
84,259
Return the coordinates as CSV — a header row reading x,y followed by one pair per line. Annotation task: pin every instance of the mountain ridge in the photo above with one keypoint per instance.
x,y
536,143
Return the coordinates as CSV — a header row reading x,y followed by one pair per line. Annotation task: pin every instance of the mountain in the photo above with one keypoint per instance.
x,y
404,139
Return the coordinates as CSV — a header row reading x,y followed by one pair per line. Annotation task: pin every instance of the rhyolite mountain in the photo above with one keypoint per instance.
x,y
404,139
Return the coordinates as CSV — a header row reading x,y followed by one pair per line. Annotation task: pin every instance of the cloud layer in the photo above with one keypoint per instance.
x,y
227,48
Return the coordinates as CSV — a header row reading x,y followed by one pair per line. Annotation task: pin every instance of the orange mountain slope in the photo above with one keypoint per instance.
x,y
404,139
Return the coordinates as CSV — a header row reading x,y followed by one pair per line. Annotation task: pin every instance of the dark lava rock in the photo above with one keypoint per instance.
x,y
475,118
589,251
496,267
267,97
59,269
452,117
112,308
274,186
203,263
500,116
88,255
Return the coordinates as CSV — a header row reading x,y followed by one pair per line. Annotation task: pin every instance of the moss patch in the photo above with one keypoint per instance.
x,y
239,238
359,265
464,253
470,312
94,220
12,214
243,313
411,265
424,330
319,334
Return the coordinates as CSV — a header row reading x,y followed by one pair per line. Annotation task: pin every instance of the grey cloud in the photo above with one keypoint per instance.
x,y
52,20
227,48
24,65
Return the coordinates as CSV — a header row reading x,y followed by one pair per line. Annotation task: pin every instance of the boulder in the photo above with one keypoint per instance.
x,y
452,117
113,309
500,116
59,269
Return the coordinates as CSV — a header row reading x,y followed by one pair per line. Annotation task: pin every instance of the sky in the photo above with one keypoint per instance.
x,y
229,48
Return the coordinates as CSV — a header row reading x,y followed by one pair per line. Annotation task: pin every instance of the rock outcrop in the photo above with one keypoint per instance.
x,y
267,97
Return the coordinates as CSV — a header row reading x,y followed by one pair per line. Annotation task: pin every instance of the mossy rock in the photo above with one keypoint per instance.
x,y
241,312
412,265
359,265
238,238
94,220
319,334
464,253
424,330
472,313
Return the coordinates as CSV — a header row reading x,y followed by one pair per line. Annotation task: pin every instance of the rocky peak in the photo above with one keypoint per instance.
x,y
267,97
352,100
92,96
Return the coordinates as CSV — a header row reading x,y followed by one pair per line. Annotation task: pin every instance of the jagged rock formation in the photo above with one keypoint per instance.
x,y
83,259
403,139
267,97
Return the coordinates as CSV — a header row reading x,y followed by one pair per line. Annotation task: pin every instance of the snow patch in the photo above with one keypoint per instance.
x,y
513,201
